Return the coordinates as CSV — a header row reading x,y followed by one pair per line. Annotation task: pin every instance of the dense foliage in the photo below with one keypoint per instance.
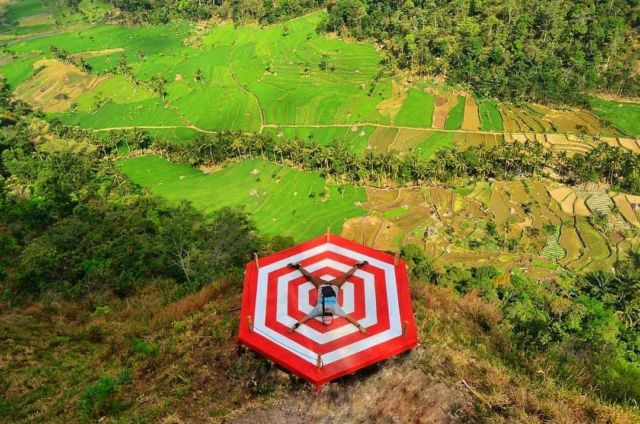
x,y
71,224
158,12
538,50
586,325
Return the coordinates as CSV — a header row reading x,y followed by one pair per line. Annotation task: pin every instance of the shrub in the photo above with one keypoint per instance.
x,y
100,398
140,346
418,262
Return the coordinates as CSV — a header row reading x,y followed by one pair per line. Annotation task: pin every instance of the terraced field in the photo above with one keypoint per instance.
x,y
453,226
282,201
541,226
283,79
288,81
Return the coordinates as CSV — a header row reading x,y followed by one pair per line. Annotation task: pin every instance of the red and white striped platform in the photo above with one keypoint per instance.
x,y
377,295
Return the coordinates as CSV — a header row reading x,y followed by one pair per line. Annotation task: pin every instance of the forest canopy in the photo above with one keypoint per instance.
x,y
546,51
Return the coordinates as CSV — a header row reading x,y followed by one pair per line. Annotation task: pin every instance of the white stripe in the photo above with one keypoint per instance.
x,y
395,329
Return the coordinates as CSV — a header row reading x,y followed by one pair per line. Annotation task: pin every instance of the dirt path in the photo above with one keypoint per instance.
x,y
530,135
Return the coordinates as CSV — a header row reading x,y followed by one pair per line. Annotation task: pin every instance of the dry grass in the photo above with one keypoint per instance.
x,y
471,119
55,85
462,339
187,305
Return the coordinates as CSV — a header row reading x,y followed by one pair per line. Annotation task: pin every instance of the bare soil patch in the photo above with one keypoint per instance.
x,y
391,106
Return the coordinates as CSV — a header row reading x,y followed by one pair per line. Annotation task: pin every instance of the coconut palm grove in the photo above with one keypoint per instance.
x,y
340,211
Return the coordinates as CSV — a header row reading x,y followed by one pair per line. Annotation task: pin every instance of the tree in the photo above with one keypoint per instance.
x,y
158,84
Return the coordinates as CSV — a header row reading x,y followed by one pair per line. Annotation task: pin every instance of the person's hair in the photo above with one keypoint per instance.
x,y
327,314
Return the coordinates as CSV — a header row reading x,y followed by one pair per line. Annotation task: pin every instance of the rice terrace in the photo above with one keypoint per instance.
x,y
151,149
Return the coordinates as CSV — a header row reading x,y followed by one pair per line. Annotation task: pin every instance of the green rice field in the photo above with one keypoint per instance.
x,y
284,79
438,140
490,118
625,116
417,109
281,200
454,119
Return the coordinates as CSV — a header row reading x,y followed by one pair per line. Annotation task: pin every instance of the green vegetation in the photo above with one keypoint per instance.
x,y
490,117
589,320
394,213
15,11
247,76
625,116
552,249
417,109
529,50
436,141
283,201
454,119
122,250
538,263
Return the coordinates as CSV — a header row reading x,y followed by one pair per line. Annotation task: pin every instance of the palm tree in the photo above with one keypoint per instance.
x,y
237,145
158,85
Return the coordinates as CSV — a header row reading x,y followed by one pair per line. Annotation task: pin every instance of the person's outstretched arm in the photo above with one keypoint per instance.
x,y
295,326
357,324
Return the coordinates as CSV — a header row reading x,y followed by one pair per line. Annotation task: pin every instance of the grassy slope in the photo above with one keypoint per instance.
x,y
55,351
282,200
624,116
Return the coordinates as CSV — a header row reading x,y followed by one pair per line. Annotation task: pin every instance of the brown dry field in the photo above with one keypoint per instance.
x,y
372,230
382,138
471,120
56,85
509,120
475,139
630,144
444,223
624,207
570,242
444,104
407,139
524,120
573,121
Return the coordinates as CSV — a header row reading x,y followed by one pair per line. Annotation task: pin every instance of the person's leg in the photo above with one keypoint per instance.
x,y
316,281
338,281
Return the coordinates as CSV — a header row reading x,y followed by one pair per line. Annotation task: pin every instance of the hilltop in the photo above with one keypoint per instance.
x,y
149,149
